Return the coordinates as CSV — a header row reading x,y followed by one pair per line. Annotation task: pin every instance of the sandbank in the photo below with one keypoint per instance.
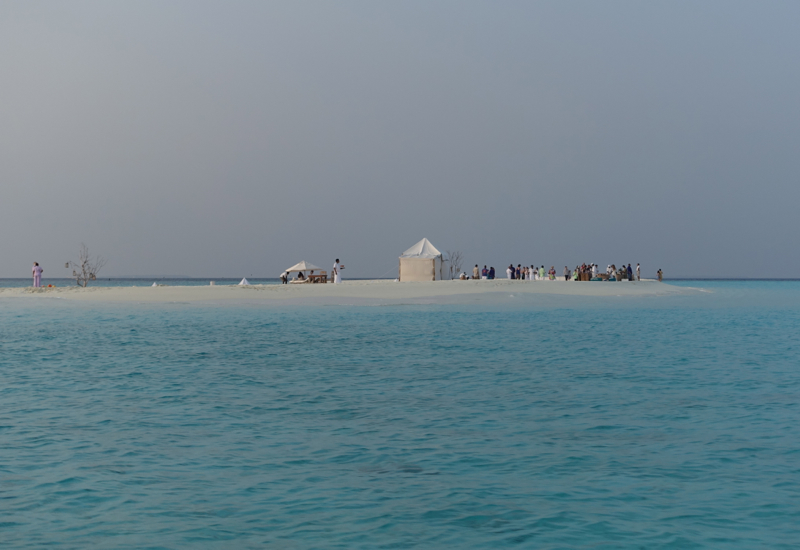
x,y
351,292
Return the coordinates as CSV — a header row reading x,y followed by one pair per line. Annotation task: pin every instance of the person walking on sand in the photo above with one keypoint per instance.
x,y
660,276
37,274
638,273
337,267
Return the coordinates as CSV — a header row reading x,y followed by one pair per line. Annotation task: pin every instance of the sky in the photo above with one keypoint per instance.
x,y
236,138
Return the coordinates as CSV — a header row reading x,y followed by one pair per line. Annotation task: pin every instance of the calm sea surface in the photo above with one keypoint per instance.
x,y
551,422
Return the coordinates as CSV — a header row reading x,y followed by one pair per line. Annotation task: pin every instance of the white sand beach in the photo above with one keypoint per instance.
x,y
350,292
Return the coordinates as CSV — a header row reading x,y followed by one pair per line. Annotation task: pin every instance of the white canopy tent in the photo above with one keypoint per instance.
x,y
306,266
303,266
422,262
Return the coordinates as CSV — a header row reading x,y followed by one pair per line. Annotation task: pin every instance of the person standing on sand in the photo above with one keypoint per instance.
x,y
37,275
491,272
337,276
660,276
476,273
485,273
510,272
638,273
630,273
566,273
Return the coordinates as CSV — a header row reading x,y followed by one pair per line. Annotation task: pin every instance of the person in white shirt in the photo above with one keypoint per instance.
x,y
509,272
638,273
337,267
37,274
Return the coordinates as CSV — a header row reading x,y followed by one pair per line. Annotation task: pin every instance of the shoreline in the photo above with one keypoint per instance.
x,y
366,291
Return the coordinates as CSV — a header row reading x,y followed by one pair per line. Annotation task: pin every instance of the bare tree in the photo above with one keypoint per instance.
x,y
86,268
456,258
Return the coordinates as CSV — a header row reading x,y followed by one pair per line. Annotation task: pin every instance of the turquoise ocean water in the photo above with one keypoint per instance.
x,y
534,422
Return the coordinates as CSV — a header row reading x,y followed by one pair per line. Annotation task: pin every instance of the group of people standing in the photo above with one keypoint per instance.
x,y
520,272
591,272
624,273
583,272
532,273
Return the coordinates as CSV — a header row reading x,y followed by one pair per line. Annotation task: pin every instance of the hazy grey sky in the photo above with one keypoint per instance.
x,y
237,138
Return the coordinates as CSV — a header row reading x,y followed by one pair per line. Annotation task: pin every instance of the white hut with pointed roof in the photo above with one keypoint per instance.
x,y
422,262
